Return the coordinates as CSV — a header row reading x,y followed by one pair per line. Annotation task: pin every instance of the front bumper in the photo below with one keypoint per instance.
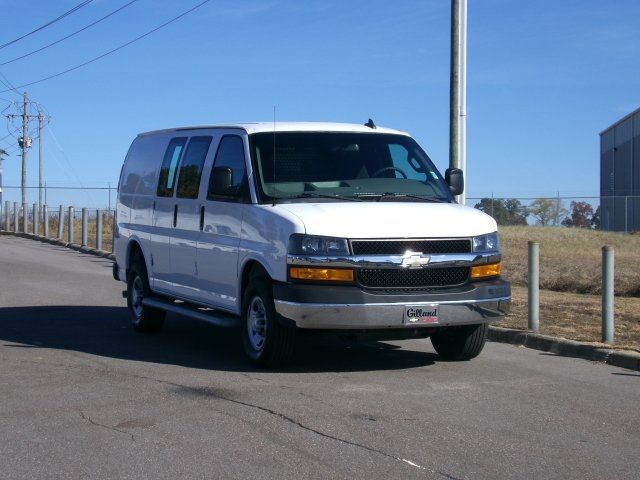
x,y
352,308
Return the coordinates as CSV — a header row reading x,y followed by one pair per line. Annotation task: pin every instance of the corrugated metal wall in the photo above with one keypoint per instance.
x,y
620,175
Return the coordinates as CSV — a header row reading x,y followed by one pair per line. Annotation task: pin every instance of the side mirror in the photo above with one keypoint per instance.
x,y
455,179
222,182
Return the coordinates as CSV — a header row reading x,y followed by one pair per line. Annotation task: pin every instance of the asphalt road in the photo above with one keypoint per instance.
x,y
83,396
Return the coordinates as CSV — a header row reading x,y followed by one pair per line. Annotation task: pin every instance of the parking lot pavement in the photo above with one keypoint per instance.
x,y
83,396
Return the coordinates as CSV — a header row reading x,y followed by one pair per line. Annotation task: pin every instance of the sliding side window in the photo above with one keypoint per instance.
x,y
167,179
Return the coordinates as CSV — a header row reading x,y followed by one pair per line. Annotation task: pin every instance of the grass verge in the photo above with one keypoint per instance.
x,y
577,317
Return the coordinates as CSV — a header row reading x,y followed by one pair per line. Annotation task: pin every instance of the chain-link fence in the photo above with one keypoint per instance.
x,y
616,213
94,197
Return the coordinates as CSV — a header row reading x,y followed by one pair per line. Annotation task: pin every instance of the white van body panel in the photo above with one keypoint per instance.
x,y
391,219
201,259
265,238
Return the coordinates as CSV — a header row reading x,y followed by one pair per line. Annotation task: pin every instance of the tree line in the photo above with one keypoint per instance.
x,y
543,211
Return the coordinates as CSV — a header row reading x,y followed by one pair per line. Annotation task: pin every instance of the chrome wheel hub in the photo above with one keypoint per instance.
x,y
257,323
137,294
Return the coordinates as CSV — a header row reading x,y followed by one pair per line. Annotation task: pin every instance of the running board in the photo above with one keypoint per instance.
x,y
214,317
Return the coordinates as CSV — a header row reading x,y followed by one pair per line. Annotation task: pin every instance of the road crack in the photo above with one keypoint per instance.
x,y
282,416
97,424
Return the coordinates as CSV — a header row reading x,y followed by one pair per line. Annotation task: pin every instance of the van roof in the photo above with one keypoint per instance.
x,y
257,127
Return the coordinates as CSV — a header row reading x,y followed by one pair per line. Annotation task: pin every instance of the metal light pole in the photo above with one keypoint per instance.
x,y
458,90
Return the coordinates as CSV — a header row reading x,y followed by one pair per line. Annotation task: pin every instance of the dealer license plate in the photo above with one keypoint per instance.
x,y
421,314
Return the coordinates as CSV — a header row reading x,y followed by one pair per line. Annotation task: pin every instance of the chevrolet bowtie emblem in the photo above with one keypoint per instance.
x,y
414,260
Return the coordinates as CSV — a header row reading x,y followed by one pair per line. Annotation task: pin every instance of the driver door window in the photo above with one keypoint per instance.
x,y
402,160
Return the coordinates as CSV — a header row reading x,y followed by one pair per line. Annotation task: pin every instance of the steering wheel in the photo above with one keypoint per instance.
x,y
386,169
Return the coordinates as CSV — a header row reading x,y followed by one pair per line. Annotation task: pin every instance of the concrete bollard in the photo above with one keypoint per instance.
x,y
60,221
45,221
35,220
534,286
608,310
16,213
70,232
85,227
99,229
25,218
7,216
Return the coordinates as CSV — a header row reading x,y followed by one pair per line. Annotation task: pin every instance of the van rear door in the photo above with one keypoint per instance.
x,y
164,216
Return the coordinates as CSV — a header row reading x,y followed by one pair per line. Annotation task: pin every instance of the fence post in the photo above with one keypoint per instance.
x,y
35,222
534,286
70,232
85,227
45,221
7,215
16,213
60,221
25,218
607,294
99,229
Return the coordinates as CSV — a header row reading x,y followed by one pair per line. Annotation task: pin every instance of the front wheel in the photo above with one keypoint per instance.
x,y
460,343
266,342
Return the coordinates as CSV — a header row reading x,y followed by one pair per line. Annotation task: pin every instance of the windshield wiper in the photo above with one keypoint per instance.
x,y
319,195
405,195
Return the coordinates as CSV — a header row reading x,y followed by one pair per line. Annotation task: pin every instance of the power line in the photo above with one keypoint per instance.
x,y
68,36
112,51
68,12
9,85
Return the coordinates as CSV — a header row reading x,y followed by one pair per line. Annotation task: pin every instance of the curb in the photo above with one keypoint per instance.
x,y
61,243
566,348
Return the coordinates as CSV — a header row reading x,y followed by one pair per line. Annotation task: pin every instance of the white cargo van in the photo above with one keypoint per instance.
x,y
315,226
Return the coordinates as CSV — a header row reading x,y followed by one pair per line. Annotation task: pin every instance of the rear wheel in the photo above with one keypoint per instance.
x,y
266,342
143,318
460,343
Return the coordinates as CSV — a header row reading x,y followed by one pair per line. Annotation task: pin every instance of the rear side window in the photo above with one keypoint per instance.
x,y
167,178
191,167
230,154
139,171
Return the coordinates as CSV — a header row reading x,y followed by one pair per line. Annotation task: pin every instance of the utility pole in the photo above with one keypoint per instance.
x,y
40,160
42,121
25,144
2,154
458,90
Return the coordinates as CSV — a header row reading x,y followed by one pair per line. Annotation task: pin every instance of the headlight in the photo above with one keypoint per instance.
x,y
311,245
486,243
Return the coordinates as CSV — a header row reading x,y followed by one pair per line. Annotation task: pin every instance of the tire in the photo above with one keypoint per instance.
x,y
460,343
266,342
143,319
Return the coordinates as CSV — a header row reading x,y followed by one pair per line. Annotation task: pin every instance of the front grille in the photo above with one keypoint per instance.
x,y
399,247
391,278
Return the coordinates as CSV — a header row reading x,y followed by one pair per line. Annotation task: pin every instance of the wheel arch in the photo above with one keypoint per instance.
x,y
249,268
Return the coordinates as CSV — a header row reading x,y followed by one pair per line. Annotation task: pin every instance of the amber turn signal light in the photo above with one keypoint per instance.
x,y
485,271
321,274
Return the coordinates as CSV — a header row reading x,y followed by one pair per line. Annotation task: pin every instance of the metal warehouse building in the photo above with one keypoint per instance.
x,y
620,174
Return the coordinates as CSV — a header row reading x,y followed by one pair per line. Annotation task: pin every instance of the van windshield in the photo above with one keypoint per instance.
x,y
360,166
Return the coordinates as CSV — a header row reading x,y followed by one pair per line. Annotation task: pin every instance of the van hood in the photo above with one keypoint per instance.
x,y
390,219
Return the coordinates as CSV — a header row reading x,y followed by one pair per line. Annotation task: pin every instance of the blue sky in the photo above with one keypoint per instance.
x,y
545,78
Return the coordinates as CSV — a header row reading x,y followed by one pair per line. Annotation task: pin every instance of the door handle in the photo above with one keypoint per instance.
x,y
202,218
175,215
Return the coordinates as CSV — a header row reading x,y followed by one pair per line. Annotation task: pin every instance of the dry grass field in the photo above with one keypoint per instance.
x,y
570,258
570,276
